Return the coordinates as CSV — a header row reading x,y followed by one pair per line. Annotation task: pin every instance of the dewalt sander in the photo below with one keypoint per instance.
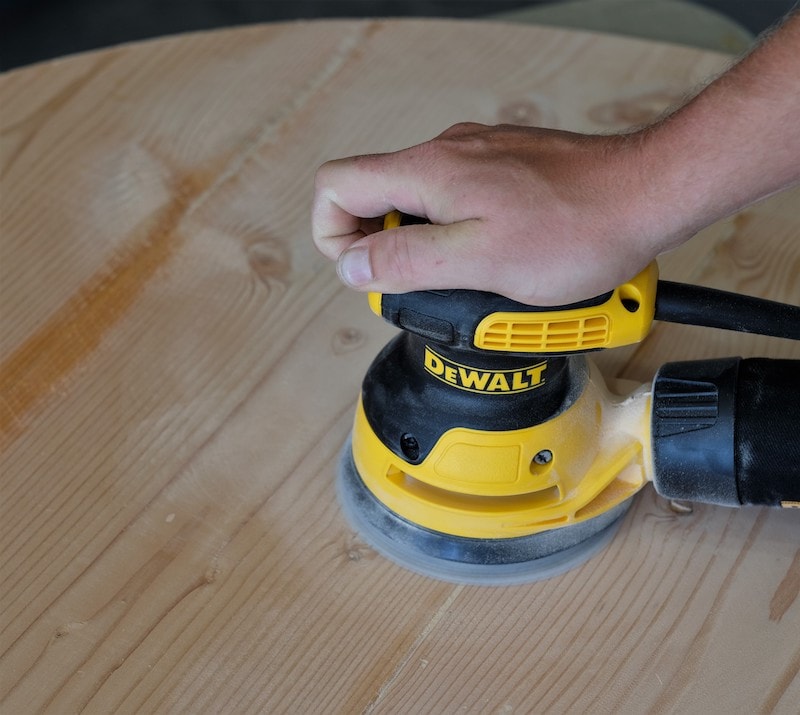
x,y
487,448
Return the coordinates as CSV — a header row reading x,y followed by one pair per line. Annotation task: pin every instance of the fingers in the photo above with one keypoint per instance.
x,y
351,196
416,257
340,209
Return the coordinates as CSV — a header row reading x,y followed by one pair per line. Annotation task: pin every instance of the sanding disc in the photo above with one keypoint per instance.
x,y
461,559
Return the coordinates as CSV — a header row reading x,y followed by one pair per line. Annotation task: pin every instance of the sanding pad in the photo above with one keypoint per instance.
x,y
493,562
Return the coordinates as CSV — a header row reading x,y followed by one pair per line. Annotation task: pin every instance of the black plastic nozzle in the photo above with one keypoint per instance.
x,y
727,431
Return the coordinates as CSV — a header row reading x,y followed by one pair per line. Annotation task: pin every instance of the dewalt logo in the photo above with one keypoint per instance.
x,y
474,380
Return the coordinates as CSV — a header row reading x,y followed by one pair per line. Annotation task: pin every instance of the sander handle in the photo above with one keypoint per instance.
x,y
725,431
487,322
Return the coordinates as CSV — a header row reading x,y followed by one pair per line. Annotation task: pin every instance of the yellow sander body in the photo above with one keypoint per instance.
x,y
487,448
499,484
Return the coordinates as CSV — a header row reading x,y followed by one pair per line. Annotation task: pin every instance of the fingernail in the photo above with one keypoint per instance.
x,y
354,268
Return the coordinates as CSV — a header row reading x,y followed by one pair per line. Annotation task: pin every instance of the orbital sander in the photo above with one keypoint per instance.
x,y
488,449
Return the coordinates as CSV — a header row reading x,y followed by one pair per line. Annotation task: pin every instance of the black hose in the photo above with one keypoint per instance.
x,y
711,308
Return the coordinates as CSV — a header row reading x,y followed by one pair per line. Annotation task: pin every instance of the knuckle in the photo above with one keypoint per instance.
x,y
330,172
323,174
461,128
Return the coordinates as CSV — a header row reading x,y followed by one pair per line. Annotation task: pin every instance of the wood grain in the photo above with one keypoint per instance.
x,y
179,370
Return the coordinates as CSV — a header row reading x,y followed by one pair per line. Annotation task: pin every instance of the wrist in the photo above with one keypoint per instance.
x,y
733,144
657,211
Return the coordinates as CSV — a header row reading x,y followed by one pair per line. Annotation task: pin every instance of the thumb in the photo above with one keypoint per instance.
x,y
414,257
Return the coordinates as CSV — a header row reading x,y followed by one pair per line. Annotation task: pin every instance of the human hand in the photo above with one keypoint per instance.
x,y
541,216
549,217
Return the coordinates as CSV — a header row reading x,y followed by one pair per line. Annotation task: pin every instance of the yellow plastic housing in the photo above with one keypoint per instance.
x,y
391,220
503,484
624,319
374,300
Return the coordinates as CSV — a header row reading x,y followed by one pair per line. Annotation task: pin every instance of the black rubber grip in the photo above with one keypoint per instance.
x,y
727,431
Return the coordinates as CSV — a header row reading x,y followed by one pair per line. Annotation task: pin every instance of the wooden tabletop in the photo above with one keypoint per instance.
x,y
180,369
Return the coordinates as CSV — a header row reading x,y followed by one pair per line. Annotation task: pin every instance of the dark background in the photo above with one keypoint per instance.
x,y
34,30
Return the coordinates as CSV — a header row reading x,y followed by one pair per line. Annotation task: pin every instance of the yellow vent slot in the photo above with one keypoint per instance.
x,y
623,319
526,334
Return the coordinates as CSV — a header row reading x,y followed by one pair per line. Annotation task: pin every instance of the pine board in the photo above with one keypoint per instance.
x,y
179,371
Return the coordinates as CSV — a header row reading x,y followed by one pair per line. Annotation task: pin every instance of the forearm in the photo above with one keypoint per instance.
x,y
737,141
